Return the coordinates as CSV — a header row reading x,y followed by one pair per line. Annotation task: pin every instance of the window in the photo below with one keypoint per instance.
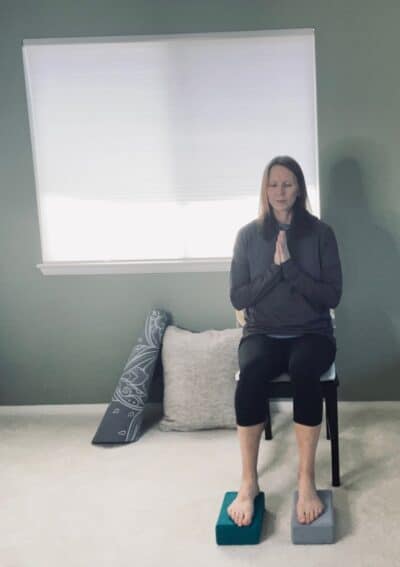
x,y
149,150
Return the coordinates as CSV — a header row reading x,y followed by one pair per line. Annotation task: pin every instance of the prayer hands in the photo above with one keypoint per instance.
x,y
281,249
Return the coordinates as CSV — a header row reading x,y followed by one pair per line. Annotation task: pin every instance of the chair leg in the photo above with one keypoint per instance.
x,y
328,435
332,415
267,426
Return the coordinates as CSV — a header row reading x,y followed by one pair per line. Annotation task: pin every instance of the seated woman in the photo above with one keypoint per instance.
x,y
286,275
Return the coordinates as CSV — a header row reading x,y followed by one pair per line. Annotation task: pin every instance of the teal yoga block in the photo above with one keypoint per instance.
x,y
229,533
321,530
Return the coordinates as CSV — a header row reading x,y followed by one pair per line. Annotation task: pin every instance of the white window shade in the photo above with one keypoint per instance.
x,y
149,150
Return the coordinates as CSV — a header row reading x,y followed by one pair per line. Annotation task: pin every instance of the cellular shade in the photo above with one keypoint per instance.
x,y
152,148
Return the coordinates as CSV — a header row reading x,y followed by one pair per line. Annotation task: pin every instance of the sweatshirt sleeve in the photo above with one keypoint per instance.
x,y
243,291
326,292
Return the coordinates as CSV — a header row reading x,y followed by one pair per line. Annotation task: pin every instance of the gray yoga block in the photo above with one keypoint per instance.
x,y
227,532
321,530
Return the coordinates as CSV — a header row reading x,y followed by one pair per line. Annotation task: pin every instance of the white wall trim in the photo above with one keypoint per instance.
x,y
134,267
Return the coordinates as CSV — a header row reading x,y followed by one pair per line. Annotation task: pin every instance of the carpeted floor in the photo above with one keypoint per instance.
x,y
66,502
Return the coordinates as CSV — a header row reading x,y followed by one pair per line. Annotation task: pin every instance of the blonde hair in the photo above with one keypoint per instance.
x,y
302,200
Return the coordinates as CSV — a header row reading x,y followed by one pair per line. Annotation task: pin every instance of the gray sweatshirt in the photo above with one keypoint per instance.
x,y
292,298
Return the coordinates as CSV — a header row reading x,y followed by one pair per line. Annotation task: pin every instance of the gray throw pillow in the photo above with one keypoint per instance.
x,y
199,378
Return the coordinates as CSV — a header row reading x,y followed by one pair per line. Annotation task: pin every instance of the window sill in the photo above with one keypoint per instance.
x,y
135,267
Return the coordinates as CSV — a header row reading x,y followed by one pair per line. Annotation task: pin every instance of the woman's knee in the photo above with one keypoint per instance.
x,y
308,405
251,395
311,419
251,385
307,399
250,404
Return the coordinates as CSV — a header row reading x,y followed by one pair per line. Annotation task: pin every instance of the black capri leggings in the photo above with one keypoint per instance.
x,y
262,358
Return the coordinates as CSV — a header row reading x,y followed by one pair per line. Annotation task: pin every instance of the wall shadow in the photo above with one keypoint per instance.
x,y
367,319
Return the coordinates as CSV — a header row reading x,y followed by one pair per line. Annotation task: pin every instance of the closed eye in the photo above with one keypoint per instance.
x,y
285,185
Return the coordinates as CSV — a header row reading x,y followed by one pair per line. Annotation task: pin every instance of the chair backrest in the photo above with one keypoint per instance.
x,y
240,317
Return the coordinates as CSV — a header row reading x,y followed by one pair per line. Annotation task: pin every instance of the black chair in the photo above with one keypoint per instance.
x,y
282,387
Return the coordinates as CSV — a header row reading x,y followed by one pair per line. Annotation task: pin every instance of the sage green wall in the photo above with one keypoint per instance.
x,y
66,339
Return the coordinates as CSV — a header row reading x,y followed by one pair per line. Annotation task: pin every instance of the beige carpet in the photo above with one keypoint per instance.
x,y
66,502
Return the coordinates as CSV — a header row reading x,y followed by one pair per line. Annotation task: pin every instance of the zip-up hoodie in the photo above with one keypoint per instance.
x,y
295,297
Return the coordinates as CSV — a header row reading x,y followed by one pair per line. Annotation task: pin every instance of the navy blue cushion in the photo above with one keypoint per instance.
x,y
123,418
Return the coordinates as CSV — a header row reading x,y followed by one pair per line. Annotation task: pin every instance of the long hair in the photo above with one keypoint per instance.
x,y
302,201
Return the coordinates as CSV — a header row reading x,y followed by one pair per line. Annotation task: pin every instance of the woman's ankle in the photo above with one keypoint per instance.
x,y
306,477
249,481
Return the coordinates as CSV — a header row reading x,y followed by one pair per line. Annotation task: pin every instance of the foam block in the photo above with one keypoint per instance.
x,y
229,533
321,530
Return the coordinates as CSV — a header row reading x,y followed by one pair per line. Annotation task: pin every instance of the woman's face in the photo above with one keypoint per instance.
x,y
282,188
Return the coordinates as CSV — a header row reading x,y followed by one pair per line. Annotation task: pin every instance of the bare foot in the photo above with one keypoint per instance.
x,y
242,507
309,505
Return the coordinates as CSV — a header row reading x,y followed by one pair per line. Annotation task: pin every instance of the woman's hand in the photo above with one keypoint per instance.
x,y
281,249
277,255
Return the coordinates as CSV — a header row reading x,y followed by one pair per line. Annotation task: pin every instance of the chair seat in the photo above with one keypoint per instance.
x,y
330,374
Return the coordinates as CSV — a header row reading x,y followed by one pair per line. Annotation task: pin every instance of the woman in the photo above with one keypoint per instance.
x,y
286,275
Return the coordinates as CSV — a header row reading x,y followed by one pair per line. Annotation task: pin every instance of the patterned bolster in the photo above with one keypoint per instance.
x,y
123,418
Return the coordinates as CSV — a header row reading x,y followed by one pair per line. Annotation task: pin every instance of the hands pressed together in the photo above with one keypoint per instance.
x,y
281,249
